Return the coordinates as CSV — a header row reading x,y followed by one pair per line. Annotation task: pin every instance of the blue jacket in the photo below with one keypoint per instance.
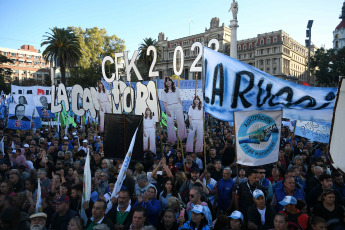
x,y
280,193
224,193
187,226
153,209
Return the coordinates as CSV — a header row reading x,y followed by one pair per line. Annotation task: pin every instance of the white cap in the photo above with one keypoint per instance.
x,y
85,141
258,193
65,138
26,146
197,209
99,137
236,215
288,200
39,214
74,134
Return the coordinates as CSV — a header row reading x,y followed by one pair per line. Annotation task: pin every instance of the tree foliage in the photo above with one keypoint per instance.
x,y
328,65
144,61
63,48
5,73
85,77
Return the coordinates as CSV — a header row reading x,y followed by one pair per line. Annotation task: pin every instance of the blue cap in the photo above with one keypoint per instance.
x,y
258,193
288,200
236,215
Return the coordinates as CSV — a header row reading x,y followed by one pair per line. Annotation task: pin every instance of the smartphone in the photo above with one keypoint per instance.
x,y
182,212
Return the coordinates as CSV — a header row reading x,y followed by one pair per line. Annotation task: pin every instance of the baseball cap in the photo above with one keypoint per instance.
x,y
197,209
63,199
14,151
85,141
39,214
65,138
26,146
288,200
236,215
98,137
258,193
74,134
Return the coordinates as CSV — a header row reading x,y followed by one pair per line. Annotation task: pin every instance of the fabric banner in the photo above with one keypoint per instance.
x,y
313,131
19,116
232,85
38,207
336,140
43,105
86,187
257,136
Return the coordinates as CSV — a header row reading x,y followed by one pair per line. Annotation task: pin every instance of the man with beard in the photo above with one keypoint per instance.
x,y
188,184
121,213
38,221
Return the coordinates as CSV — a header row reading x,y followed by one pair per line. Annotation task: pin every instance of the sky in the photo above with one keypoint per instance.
x,y
25,22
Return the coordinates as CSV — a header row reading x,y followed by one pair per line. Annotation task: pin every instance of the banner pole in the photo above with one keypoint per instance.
x,y
159,120
235,147
181,146
203,100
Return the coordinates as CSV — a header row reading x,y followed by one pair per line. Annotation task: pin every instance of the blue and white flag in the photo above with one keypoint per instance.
x,y
86,187
19,116
232,85
122,175
257,136
313,131
38,207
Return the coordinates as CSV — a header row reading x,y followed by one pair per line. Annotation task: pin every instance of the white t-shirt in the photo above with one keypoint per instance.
x,y
195,114
102,97
262,213
171,97
149,123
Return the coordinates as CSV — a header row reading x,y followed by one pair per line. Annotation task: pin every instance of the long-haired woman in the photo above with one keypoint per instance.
x,y
169,191
196,126
173,105
149,131
104,103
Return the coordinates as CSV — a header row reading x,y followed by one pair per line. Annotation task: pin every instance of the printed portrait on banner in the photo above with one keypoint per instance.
x,y
26,99
171,99
149,125
195,132
104,103
19,116
43,106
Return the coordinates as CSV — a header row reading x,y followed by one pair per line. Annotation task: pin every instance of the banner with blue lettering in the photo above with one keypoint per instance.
x,y
313,131
43,106
257,136
232,85
19,116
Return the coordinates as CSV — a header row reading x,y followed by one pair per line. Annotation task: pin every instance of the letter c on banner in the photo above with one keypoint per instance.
x,y
77,90
105,59
179,72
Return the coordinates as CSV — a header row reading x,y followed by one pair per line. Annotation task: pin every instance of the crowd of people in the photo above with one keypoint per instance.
x,y
170,189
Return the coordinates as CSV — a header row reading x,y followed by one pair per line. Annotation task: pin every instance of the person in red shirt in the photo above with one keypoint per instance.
x,y
294,216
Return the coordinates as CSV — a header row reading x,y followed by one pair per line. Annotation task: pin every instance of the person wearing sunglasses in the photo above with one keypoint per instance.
x,y
265,182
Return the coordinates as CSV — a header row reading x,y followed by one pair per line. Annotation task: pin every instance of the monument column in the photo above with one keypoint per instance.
x,y
233,27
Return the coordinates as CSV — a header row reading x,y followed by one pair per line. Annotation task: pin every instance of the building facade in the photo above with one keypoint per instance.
x,y
28,67
339,32
274,52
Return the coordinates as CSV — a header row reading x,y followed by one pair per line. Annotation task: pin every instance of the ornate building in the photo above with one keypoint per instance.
x,y
274,52
339,32
28,67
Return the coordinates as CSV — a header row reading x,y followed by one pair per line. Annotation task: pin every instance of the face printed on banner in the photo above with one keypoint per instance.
x,y
44,102
20,116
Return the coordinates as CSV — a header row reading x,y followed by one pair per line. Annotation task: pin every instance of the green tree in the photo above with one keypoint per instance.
x,y
95,44
63,48
47,80
328,65
144,61
5,73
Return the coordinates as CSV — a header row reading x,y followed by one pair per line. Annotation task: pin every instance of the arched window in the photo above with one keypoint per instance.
x,y
268,40
250,45
239,47
261,41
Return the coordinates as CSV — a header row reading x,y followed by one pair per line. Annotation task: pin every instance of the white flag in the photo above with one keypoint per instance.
x,y
122,175
86,187
257,136
39,198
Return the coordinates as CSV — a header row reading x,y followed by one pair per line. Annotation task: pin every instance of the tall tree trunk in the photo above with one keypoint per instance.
x,y
63,71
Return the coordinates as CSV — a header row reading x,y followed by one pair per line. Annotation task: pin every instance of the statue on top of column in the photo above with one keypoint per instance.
x,y
234,9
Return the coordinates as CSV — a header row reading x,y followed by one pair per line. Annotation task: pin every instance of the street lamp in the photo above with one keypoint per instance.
x,y
308,44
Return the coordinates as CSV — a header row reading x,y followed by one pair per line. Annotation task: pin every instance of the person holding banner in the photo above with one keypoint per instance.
x,y
149,131
104,103
196,126
173,105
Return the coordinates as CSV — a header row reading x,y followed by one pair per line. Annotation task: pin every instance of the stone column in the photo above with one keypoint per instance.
x,y
233,47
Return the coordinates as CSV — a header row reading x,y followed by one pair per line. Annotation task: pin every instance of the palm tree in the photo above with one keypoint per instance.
x,y
63,48
143,58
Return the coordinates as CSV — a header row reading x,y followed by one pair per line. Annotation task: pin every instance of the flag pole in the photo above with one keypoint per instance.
x,y
159,120
203,100
238,179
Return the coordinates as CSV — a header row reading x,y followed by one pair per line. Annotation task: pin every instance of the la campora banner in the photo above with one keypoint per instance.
x,y
231,85
257,136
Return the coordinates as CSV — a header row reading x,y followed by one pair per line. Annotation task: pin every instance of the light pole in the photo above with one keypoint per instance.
x,y
308,44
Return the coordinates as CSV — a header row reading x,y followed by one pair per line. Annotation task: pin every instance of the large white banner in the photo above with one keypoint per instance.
x,y
257,136
336,141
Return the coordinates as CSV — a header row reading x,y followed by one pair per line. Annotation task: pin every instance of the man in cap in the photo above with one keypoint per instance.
x,y
236,220
63,214
294,215
260,215
38,221
197,216
84,146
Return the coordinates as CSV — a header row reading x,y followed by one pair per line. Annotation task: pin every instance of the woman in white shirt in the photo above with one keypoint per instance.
x,y
195,118
173,105
149,130
104,103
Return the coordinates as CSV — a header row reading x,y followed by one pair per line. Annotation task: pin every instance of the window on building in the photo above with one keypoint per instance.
x,y
43,63
198,39
268,40
37,57
336,44
275,49
244,56
268,61
13,55
239,56
262,42
21,55
239,47
275,60
250,55
4,53
171,54
262,51
261,62
274,70
21,62
268,50
245,47
275,39
250,45
28,56
36,63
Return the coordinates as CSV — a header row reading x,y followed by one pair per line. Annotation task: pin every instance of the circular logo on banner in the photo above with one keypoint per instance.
x,y
258,135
